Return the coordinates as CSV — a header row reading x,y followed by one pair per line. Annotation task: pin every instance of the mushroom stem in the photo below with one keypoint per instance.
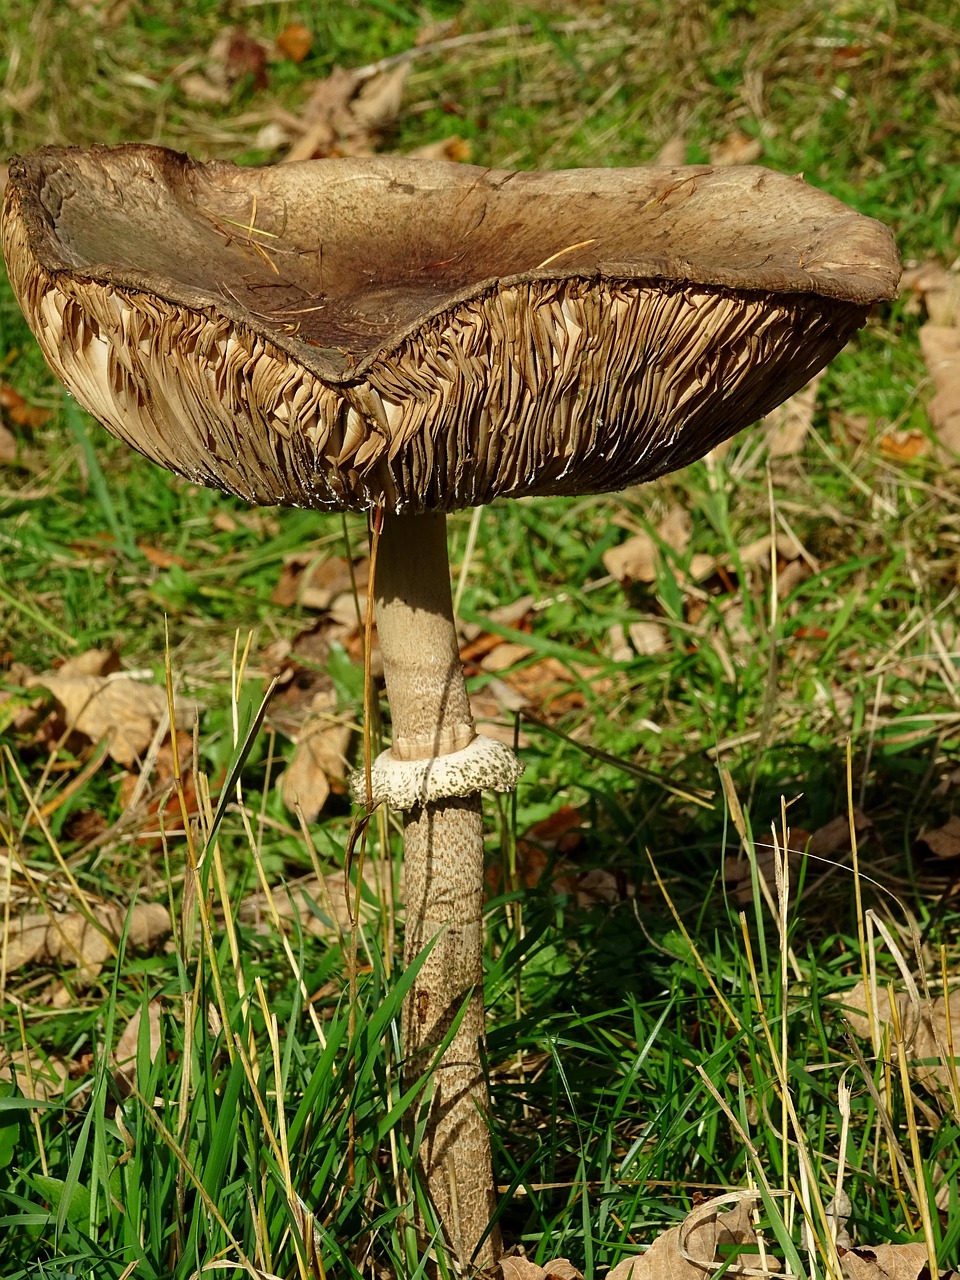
x,y
443,874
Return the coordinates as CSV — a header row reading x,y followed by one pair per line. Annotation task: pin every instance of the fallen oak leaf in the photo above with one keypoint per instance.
x,y
504,655
233,54
40,1077
125,1053
158,558
294,41
885,1262
938,287
378,103
736,148
455,149
692,1250
319,762
320,906
8,445
789,424
153,793
940,346
634,560
638,558
92,662
515,1267
123,711
648,638
757,553
924,1023
315,583
903,446
553,689
81,940
944,841
346,113
19,412
495,708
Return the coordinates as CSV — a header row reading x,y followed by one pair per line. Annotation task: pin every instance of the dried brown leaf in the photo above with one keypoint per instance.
x,y
648,638
944,841
702,566
494,709
16,409
673,152
77,940
618,646
903,446
378,103
92,662
923,1025
156,795
834,836
240,54
513,614
319,762
638,558
758,553
124,712
548,687
454,149
315,583
196,87
938,288
517,1268
124,1056
224,522
691,1250
736,148
159,558
738,874
789,424
294,41
345,114
504,655
885,1262
634,560
39,1076
675,529
941,351
561,1269
8,446
320,905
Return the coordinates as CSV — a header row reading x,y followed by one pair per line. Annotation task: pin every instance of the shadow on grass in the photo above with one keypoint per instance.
x,y
598,1073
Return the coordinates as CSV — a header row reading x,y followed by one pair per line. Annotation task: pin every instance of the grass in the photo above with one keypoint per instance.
x,y
624,1085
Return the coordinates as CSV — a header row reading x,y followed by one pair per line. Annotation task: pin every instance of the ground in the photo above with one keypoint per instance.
x,y
764,641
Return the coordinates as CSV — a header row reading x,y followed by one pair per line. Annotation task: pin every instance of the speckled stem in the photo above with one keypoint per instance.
x,y
443,873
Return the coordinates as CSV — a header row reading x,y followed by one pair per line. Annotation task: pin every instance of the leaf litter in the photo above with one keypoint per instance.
x,y
714,1240
102,703
939,291
83,940
927,1025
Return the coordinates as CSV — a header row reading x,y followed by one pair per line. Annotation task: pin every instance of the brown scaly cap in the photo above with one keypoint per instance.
x,y
339,333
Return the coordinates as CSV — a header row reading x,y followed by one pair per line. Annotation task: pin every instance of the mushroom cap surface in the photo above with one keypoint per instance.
x,y
429,336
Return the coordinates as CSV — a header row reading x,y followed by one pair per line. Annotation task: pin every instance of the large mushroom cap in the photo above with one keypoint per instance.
x,y
340,333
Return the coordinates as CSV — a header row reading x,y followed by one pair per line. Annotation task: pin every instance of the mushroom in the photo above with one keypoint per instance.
x,y
419,337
